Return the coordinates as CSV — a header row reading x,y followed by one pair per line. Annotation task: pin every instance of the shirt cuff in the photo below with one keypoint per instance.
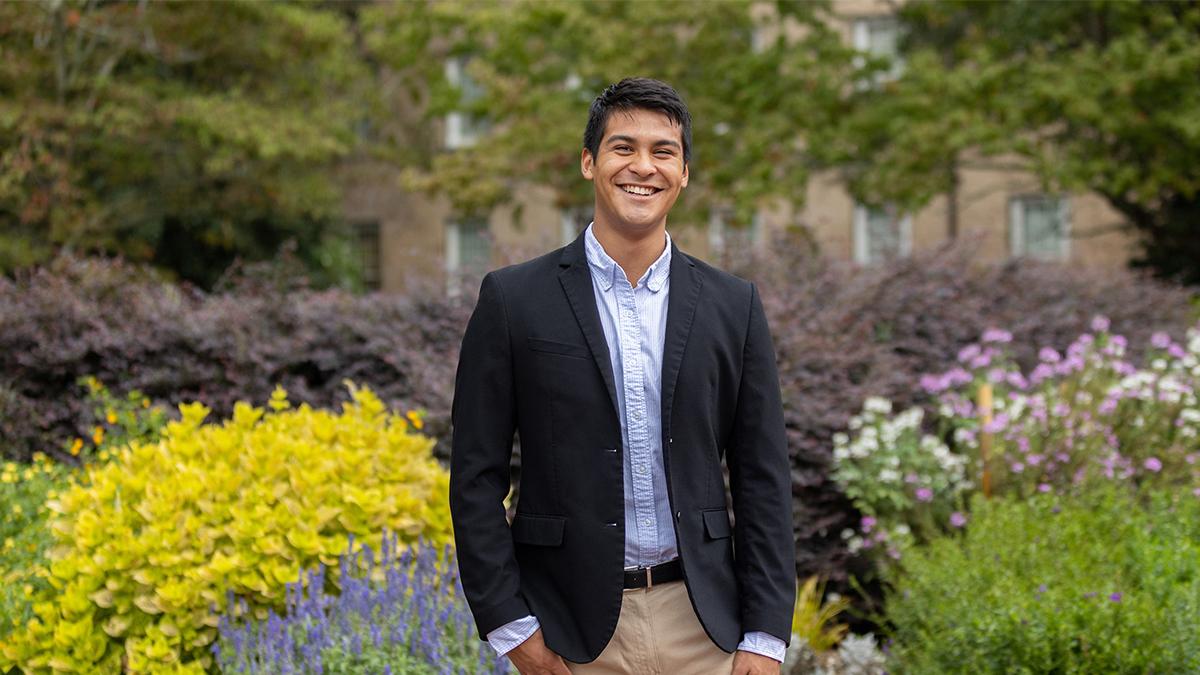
x,y
765,644
510,636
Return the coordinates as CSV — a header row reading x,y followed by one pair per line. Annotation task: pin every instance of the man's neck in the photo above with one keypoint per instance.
x,y
634,252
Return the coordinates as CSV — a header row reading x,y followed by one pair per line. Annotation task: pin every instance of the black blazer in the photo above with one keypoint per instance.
x,y
534,360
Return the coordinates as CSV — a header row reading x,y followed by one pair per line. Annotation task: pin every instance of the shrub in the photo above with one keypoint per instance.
x,y
401,613
1100,583
24,535
149,543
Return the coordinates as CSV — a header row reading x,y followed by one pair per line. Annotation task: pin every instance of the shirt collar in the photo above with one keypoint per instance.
x,y
605,269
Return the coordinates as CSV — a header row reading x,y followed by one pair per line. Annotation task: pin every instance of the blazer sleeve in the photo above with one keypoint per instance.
x,y
483,417
760,484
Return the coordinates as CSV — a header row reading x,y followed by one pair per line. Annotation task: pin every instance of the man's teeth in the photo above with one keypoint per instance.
x,y
638,190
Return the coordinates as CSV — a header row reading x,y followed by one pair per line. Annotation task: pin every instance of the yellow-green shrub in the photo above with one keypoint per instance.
x,y
149,543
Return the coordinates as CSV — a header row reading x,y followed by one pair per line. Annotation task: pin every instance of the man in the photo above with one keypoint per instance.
x,y
628,369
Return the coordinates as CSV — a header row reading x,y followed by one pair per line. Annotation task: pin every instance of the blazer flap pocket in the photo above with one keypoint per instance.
x,y
555,347
538,530
716,523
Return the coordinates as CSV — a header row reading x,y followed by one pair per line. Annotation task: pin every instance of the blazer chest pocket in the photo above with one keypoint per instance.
x,y
538,530
716,523
555,347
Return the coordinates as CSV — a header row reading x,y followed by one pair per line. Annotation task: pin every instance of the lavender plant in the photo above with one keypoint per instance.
x,y
401,613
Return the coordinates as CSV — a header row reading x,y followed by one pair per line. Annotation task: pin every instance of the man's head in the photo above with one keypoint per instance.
x,y
637,147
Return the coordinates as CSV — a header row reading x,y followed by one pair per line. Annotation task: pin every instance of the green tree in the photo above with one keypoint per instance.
x,y
1098,95
757,77
185,134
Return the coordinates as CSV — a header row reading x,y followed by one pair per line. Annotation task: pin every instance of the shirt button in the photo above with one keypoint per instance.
x,y
646,522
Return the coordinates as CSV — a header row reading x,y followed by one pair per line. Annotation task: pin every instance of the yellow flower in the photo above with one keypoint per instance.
x,y
10,466
111,417
98,435
145,403
17,509
27,474
416,419
7,477
28,589
76,447
9,543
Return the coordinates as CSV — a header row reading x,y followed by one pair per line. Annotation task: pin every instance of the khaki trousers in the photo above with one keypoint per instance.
x,y
658,634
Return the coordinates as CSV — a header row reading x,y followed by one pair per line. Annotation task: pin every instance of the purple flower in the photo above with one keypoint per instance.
x,y
1160,340
933,384
868,522
1041,588
996,335
957,519
981,361
1044,487
1115,597
1176,351
1100,323
968,353
1153,464
924,494
1017,467
1049,355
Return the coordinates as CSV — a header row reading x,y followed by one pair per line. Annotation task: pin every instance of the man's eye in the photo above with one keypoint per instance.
x,y
665,153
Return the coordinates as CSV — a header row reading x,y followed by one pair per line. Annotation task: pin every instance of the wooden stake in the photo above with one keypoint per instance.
x,y
984,403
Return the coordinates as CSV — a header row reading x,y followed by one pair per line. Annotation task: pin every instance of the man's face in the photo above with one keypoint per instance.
x,y
638,171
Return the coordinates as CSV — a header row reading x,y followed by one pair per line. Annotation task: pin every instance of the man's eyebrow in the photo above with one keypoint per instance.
x,y
620,138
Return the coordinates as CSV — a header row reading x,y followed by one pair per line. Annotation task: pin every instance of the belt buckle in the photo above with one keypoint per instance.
x,y
649,578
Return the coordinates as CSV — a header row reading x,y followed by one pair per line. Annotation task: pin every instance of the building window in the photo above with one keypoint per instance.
x,y
574,220
879,36
1039,227
468,252
726,238
366,236
463,128
880,234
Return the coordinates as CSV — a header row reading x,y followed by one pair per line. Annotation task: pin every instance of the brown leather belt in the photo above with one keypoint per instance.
x,y
645,577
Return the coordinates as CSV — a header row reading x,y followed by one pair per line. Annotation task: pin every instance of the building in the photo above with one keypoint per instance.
x,y
410,240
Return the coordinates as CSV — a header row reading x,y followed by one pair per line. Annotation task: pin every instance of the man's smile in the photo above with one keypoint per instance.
x,y
640,190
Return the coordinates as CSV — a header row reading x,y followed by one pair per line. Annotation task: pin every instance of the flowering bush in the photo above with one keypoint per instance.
x,y
150,542
402,613
1087,414
898,477
1097,582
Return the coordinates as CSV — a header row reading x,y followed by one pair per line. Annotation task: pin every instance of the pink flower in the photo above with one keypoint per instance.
x,y
967,353
996,335
1017,467
1160,340
1153,464
868,522
1044,488
957,519
1049,355
924,494
1100,323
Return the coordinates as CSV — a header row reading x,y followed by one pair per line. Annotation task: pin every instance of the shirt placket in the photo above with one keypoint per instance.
x,y
639,436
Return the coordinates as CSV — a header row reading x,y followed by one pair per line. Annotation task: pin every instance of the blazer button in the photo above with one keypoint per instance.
x,y
678,514
610,449
670,440
610,524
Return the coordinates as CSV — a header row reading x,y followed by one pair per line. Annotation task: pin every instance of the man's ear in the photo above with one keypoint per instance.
x,y
684,181
585,164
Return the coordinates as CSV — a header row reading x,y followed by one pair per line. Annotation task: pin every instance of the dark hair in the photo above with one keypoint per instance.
x,y
637,93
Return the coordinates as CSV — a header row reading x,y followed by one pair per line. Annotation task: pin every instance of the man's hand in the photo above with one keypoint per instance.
x,y
533,657
749,663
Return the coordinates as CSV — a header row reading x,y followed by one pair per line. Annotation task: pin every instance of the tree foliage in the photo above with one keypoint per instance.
x,y
1089,96
182,133
756,82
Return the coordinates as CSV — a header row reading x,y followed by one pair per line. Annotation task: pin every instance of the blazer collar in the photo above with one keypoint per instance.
x,y
686,280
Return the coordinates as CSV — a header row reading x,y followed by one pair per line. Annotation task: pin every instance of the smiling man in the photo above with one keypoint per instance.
x,y
629,369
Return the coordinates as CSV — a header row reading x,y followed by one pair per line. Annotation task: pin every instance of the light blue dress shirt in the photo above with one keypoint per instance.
x,y
634,319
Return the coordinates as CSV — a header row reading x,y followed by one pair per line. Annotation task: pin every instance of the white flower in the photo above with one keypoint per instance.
x,y
855,422
877,404
902,529
889,475
841,454
840,438
847,533
1158,364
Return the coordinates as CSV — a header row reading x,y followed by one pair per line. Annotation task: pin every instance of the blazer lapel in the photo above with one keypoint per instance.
x,y
681,308
684,291
576,281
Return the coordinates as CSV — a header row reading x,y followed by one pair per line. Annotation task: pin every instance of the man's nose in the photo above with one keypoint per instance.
x,y
643,164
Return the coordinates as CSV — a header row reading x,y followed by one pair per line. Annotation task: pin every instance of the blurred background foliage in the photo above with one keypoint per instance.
x,y
192,135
